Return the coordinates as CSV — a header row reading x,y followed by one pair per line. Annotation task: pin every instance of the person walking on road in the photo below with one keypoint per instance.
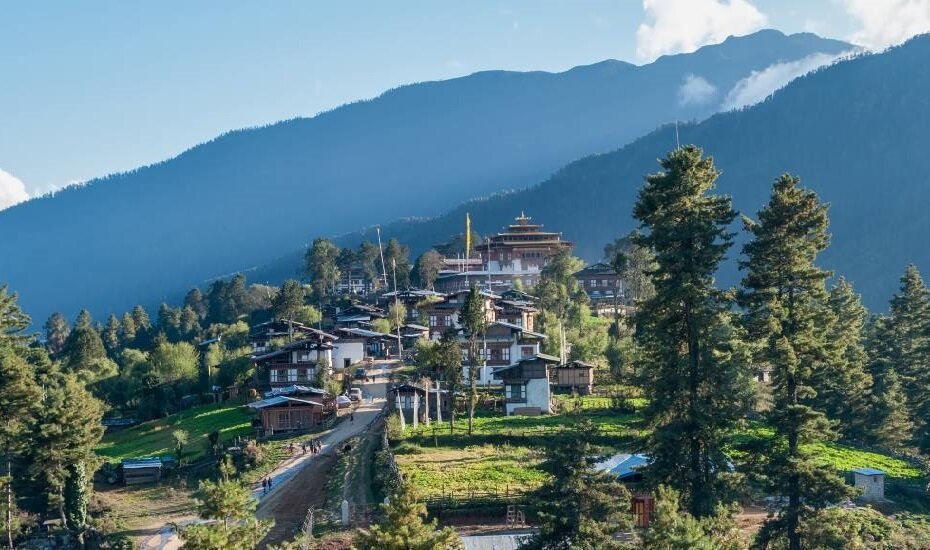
x,y
264,486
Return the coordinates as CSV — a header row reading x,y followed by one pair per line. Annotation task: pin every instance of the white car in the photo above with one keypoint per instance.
x,y
355,394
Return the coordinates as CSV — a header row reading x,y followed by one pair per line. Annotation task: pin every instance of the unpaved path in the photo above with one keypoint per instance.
x,y
299,482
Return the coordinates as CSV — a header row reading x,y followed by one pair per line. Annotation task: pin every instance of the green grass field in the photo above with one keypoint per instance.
x,y
154,438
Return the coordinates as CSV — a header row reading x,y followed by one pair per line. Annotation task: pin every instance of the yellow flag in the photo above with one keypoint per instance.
x,y
467,234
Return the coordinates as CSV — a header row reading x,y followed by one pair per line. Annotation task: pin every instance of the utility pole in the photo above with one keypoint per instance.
x,y
400,342
381,252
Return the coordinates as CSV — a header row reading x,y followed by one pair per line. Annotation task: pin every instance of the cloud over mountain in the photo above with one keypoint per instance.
x,y
686,25
695,90
12,190
761,84
884,23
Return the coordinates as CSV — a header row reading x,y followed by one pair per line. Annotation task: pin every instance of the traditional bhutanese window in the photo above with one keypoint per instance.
x,y
433,320
505,354
274,375
291,375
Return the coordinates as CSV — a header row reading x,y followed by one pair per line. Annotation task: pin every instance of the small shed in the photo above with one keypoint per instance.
x,y
575,375
872,483
141,470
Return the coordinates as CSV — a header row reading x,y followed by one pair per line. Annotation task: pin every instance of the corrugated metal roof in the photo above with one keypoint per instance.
x,y
134,463
869,472
624,465
280,400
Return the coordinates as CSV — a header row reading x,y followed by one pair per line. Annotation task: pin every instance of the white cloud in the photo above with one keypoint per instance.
x,y
695,90
884,23
12,190
686,25
761,84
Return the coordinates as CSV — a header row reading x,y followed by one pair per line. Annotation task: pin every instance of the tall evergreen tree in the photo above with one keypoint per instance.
x,y
346,261
84,353
67,430
403,527
427,268
397,256
190,323
321,268
12,319
370,258
56,333
18,395
474,322
787,312
289,300
111,335
694,367
580,507
909,331
842,384
889,422
169,322
127,331
195,300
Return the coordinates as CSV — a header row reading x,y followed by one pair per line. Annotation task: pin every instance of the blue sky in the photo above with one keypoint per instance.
x,y
96,87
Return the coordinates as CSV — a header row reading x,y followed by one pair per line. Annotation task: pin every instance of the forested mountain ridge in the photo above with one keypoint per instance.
x,y
854,132
250,196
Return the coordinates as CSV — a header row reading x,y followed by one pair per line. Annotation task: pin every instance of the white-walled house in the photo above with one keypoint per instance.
x,y
348,351
501,345
872,483
526,385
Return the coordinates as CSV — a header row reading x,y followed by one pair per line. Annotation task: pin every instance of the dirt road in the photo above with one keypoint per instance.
x,y
299,482
299,485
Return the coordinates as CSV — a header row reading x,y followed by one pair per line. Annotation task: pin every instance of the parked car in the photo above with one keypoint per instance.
x,y
361,373
355,394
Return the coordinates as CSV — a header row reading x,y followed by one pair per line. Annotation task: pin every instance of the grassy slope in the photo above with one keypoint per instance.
x,y
154,437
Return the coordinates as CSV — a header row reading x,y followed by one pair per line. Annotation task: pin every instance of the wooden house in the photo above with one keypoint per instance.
x,y
141,470
262,336
287,414
294,363
575,375
601,283
526,385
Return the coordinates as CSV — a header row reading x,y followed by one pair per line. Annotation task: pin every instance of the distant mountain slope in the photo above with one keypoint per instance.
x,y
856,132
251,195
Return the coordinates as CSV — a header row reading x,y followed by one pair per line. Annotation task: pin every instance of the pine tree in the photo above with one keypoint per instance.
x,y
232,504
194,300
842,384
169,322
289,300
674,529
111,335
67,430
190,323
695,369
84,353
581,507
888,418
787,311
127,331
13,321
398,255
474,322
18,395
909,332
403,527
56,333
321,268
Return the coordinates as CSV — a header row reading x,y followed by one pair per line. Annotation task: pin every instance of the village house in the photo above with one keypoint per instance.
x,y
526,385
601,283
373,343
501,345
515,312
576,376
356,316
263,336
294,363
519,253
872,483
